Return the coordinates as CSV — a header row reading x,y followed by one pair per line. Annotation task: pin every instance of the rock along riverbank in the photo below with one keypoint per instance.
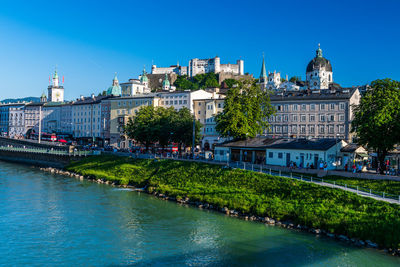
x,y
233,213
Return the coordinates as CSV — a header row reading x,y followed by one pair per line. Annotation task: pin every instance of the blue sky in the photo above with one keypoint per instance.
x,y
90,40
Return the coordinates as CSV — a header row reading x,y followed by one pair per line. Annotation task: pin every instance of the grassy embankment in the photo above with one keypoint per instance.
x,y
281,198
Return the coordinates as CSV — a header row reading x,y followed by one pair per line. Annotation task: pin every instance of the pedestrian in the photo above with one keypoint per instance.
x,y
308,166
346,167
354,168
325,166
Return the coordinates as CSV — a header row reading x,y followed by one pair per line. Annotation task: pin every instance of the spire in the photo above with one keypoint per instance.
x,y
143,77
319,51
55,76
166,84
115,80
263,74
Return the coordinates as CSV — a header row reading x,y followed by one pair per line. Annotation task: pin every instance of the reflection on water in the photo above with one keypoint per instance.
x,y
48,220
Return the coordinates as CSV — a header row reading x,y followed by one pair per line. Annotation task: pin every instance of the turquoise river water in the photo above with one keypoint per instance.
x,y
48,220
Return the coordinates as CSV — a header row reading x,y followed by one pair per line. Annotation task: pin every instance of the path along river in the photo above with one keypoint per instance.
x,y
48,220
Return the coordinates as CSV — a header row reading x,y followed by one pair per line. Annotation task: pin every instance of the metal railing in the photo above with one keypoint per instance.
x,y
78,153
359,190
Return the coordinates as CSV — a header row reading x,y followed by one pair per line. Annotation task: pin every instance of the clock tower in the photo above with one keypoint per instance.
x,y
56,91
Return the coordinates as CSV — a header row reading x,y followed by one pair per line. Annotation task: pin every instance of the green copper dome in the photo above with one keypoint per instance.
x,y
166,81
144,78
115,89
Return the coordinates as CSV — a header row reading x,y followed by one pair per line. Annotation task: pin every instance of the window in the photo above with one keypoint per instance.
x,y
294,118
322,106
219,105
312,129
285,107
332,117
332,106
302,117
341,117
280,155
285,117
278,129
278,118
342,106
294,107
184,101
279,107
303,129
285,129
312,117
331,129
199,112
321,129
294,129
271,155
199,104
322,117
341,128
180,102
303,107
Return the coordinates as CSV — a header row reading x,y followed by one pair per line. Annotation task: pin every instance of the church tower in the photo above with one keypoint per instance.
x,y
319,72
55,91
263,76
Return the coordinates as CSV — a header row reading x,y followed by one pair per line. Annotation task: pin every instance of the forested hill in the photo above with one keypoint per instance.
x,y
16,100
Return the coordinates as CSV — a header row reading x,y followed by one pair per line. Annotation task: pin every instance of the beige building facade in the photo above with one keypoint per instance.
x,y
205,111
313,114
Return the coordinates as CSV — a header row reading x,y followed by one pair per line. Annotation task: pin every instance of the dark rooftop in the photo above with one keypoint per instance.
x,y
301,144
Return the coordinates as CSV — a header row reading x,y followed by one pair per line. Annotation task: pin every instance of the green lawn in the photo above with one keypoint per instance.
x,y
281,198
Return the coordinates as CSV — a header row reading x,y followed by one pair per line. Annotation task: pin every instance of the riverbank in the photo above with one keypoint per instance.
x,y
254,196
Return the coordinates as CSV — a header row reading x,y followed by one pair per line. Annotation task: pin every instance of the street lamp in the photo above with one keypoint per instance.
x,y
336,159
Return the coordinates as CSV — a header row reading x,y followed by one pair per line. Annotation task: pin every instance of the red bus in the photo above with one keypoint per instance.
x,y
45,137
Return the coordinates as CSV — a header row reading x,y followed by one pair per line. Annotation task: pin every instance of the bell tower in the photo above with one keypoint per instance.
x,y
55,91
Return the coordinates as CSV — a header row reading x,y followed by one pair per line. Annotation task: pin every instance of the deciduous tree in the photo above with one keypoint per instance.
x,y
377,118
246,111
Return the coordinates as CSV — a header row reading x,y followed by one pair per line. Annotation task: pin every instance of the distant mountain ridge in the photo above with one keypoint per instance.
x,y
16,100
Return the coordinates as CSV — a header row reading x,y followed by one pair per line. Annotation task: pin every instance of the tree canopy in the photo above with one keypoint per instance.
x,y
163,126
246,111
200,81
294,79
377,118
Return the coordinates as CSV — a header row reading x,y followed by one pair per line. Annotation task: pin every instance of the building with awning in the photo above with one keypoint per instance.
x,y
353,154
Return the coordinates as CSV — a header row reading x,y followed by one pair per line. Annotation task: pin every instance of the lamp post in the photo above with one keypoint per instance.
x,y
336,159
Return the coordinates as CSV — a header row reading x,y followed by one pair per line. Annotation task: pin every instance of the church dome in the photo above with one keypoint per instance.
x,y
143,78
115,89
319,62
166,82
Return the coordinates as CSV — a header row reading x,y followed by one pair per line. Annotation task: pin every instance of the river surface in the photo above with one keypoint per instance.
x,y
49,220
